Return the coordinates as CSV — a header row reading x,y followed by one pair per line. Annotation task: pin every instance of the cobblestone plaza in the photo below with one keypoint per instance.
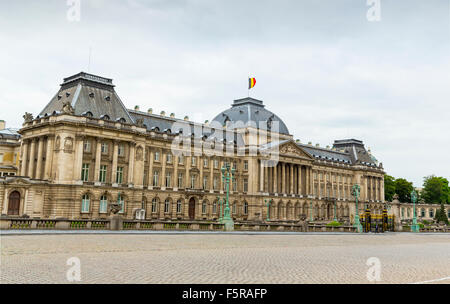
x,y
225,258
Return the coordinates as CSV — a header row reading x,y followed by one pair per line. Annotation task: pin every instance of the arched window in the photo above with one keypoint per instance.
x,y
431,212
85,203
245,208
167,206
105,117
121,203
179,205
103,204
154,205
122,120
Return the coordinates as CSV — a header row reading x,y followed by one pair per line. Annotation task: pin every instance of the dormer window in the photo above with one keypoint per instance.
x,y
105,117
107,98
121,120
88,114
91,95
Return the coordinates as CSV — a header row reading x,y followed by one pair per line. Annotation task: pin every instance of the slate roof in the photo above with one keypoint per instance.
x,y
251,112
89,93
9,133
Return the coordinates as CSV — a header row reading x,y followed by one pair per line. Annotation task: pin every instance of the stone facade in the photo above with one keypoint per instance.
x,y
9,150
86,150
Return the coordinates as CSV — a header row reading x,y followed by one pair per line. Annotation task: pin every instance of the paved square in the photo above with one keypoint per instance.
x,y
225,258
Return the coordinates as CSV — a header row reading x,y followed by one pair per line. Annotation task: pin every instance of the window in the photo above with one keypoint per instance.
x,y
154,205
102,176
168,179
448,213
121,203
15,158
204,207
1,157
245,208
85,173
216,164
233,209
234,185
193,161
431,213
179,204
234,165
180,159
205,162
180,180
103,204
214,207
193,178
422,212
245,185
245,165
85,203
87,146
121,150
119,176
215,183
155,178
156,158
104,148
205,182
167,206
169,158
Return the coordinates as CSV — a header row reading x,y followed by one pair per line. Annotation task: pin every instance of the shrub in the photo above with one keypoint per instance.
x,y
334,224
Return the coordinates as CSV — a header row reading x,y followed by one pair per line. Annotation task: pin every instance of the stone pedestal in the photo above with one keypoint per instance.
x,y
229,224
116,222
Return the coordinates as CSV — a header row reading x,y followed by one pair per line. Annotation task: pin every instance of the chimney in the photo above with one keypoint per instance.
x,y
2,125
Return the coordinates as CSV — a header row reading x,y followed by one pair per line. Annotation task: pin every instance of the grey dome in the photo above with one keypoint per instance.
x,y
250,111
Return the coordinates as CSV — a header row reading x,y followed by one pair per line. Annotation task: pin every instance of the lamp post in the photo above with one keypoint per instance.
x,y
355,192
227,177
414,226
268,208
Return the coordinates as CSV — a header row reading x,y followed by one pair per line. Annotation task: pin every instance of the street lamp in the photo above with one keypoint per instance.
x,y
220,209
414,226
227,177
355,192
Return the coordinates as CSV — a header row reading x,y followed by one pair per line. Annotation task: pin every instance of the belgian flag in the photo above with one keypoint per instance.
x,y
251,83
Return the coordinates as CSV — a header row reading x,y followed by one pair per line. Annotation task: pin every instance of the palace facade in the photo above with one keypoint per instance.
x,y
85,149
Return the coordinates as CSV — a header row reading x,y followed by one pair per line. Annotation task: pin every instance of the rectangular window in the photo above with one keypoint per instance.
x,y
245,185
234,165
205,182
119,176
180,159
85,204
169,158
180,180
156,157
245,165
104,148
215,183
179,206
168,179
121,150
216,164
234,185
154,205
155,178
87,146
103,204
193,161
205,163
121,203
103,169
193,178
85,173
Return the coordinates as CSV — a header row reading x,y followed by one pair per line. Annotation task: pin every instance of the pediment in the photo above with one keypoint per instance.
x,y
20,181
290,149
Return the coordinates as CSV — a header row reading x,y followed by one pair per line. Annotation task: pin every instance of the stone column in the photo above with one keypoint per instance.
x,y
31,163
175,172
200,167
291,182
38,174
266,178
79,141
299,180
187,165
150,169
98,159
283,178
23,166
49,158
211,177
114,162
275,178
308,180
382,189
261,176
163,168
131,156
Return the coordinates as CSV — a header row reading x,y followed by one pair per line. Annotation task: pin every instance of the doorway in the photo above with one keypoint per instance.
x,y
192,208
14,203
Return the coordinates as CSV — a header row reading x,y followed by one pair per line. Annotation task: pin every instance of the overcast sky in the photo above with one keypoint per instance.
x,y
321,66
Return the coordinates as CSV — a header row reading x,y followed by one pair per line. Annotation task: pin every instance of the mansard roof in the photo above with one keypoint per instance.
x,y
89,95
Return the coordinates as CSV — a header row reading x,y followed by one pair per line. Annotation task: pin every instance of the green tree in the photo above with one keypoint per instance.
x,y
389,187
435,190
441,215
403,188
